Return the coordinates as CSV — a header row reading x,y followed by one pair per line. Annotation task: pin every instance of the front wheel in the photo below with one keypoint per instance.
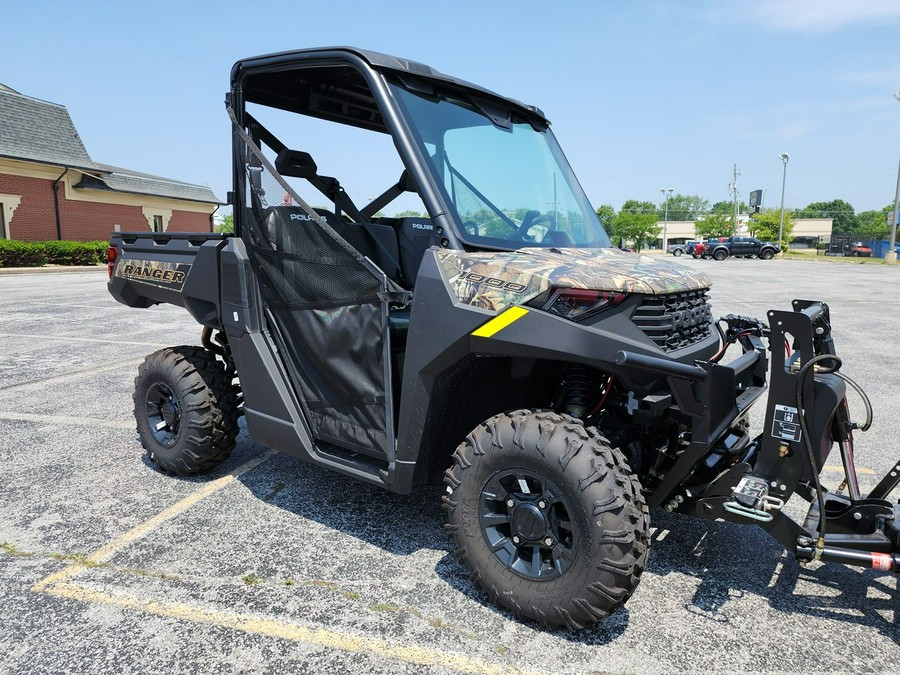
x,y
547,517
677,252
767,254
186,410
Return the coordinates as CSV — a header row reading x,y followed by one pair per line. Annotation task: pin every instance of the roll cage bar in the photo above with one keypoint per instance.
x,y
349,86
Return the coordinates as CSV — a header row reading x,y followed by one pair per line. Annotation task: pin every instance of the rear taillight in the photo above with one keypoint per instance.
x,y
111,254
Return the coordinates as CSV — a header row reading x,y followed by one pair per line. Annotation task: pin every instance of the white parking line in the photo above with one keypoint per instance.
x,y
56,419
69,338
93,370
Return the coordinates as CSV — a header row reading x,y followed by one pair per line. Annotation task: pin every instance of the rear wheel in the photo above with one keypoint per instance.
x,y
186,410
721,254
547,518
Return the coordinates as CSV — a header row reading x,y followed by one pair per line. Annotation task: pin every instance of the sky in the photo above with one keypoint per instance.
x,y
642,95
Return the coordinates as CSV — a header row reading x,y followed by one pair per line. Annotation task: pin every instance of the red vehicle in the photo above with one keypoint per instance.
x,y
859,250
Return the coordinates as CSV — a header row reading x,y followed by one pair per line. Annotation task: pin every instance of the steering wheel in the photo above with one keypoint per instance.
x,y
471,227
532,219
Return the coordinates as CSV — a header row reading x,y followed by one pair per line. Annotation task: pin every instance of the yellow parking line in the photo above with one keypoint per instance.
x,y
840,469
275,628
59,585
108,550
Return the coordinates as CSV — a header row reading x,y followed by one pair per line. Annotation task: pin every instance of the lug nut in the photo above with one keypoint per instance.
x,y
548,541
510,503
516,540
542,504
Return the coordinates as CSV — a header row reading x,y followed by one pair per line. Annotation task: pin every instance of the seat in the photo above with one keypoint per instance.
x,y
414,237
558,238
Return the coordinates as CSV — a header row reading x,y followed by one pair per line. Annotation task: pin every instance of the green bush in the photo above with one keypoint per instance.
x,y
70,253
15,253
101,247
22,253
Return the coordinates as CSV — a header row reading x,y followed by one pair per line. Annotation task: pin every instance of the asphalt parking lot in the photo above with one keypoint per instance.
x,y
269,564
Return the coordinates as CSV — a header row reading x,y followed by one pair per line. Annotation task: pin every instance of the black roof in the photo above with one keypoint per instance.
x,y
378,61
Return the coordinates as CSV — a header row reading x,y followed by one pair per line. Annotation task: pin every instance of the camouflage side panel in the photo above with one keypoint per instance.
x,y
497,280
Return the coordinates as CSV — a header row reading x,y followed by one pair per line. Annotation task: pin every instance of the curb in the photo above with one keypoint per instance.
x,y
52,270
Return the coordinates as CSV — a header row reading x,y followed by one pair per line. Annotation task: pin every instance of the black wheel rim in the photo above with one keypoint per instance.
x,y
163,414
527,523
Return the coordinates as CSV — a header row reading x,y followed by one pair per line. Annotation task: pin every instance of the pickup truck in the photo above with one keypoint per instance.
x,y
680,249
743,247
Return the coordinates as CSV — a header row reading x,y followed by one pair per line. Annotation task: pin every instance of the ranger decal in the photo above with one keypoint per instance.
x,y
154,272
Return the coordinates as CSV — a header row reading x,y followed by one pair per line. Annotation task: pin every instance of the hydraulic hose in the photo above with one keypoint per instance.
x,y
820,494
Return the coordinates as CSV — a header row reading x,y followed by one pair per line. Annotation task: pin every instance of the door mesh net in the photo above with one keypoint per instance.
x,y
326,302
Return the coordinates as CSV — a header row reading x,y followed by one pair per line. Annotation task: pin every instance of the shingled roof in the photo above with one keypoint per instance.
x,y
39,131
125,180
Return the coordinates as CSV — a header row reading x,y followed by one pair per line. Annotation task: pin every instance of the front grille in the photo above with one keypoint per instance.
x,y
675,320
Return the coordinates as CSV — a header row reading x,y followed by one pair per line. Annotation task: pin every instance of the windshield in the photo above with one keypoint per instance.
x,y
508,182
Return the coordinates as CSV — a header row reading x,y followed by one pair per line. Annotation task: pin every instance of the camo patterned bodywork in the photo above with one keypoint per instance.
x,y
498,280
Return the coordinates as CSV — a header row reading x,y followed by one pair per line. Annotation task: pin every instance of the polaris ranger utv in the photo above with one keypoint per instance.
x,y
568,386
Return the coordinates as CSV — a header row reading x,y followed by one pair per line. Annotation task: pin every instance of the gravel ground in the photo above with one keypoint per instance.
x,y
269,564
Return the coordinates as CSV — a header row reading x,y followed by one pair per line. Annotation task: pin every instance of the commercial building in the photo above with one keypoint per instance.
x,y
50,188
806,232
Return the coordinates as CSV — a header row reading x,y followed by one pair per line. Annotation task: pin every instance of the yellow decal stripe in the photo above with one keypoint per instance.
x,y
500,322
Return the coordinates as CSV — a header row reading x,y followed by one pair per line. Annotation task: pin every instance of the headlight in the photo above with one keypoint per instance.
x,y
575,303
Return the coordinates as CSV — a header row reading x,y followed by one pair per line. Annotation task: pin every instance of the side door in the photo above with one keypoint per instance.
x,y
327,307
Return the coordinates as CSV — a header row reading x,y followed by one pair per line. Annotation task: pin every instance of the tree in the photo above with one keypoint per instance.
x,y
606,214
727,208
714,225
842,214
227,224
410,214
765,225
683,207
874,223
636,222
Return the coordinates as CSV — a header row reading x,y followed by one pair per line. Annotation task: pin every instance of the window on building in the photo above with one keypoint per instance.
x,y
157,223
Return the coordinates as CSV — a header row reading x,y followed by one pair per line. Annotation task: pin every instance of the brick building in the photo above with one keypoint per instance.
x,y
50,188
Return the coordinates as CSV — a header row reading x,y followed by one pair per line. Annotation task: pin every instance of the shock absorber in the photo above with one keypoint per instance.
x,y
576,390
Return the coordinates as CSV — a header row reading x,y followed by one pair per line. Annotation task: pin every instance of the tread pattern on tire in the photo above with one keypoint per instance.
x,y
209,409
600,478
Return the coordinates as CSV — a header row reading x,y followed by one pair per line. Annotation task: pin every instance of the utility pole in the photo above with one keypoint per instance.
x,y
890,257
735,191
665,237
784,157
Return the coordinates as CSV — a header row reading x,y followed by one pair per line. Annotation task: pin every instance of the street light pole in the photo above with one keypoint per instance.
x,y
665,239
784,157
891,256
